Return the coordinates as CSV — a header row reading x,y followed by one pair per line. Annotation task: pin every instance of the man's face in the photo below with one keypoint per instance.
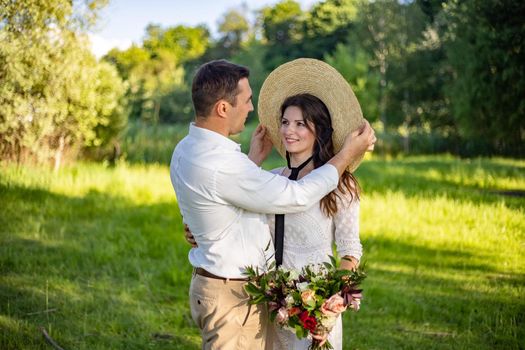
x,y
238,113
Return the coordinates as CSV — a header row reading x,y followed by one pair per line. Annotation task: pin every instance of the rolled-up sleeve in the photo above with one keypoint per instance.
x,y
245,185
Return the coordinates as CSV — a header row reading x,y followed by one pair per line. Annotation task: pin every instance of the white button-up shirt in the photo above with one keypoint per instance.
x,y
223,197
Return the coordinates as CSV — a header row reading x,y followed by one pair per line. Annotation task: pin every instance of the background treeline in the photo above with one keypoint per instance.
x,y
432,75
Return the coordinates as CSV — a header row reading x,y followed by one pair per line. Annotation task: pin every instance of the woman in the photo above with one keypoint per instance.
x,y
306,133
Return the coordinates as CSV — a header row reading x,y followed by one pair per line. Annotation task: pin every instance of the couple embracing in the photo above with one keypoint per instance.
x,y
230,204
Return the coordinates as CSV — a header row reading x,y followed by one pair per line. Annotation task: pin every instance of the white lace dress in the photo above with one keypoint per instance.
x,y
308,239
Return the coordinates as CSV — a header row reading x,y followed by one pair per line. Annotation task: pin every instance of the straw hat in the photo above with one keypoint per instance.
x,y
307,75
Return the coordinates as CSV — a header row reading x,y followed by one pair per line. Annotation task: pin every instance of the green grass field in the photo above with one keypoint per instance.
x,y
96,256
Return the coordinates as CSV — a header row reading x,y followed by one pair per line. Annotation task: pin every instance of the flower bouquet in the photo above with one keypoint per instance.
x,y
309,301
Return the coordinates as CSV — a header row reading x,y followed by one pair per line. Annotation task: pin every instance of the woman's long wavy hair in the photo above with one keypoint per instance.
x,y
315,112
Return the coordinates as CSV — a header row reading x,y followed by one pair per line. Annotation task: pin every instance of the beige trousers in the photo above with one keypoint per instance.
x,y
226,320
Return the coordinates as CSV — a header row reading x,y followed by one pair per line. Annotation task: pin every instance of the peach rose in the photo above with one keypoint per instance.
x,y
308,298
294,311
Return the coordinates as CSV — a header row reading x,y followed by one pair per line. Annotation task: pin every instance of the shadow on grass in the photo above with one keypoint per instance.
x,y
408,177
98,272
395,252
421,298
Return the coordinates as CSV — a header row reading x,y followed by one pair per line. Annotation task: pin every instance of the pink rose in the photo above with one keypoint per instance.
x,y
333,306
282,315
355,304
355,301
272,305
352,297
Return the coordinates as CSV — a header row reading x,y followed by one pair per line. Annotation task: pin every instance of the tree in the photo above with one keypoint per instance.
x,y
127,60
282,23
157,77
381,35
282,27
182,42
112,114
390,32
485,45
155,72
329,23
48,86
234,29
253,55
352,63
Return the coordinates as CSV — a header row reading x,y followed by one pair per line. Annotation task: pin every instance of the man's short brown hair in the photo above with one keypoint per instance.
x,y
214,81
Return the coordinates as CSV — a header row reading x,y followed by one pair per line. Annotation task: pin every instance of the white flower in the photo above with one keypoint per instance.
x,y
302,286
283,269
288,328
294,274
316,278
289,300
328,322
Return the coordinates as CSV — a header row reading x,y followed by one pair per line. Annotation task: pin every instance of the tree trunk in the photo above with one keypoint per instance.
x,y
381,54
156,112
59,152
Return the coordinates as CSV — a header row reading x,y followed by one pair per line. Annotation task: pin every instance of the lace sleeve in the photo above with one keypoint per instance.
x,y
346,224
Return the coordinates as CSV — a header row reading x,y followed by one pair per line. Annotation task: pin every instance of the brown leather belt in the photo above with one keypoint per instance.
x,y
202,272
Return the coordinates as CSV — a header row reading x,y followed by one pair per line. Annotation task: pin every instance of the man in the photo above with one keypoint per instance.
x,y
223,194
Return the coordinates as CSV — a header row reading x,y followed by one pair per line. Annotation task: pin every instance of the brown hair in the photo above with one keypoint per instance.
x,y
316,112
214,81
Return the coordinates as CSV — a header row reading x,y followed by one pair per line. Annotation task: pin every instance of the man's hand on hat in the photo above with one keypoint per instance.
x,y
260,145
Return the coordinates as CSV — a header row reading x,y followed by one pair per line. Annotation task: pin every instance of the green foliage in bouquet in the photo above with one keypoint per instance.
x,y
308,301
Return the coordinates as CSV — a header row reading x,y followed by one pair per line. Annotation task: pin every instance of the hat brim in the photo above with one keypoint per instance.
x,y
306,75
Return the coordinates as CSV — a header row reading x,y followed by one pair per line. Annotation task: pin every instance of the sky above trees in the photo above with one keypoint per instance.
x,y
124,22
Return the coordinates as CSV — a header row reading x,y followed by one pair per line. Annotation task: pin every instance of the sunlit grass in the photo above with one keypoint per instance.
x,y
445,255
93,255
96,256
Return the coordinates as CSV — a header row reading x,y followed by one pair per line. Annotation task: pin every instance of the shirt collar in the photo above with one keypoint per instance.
x,y
206,135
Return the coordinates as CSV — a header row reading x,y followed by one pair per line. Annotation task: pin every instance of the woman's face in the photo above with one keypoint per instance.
x,y
297,138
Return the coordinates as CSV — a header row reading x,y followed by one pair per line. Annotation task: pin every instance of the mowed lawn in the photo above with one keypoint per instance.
x,y
96,257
